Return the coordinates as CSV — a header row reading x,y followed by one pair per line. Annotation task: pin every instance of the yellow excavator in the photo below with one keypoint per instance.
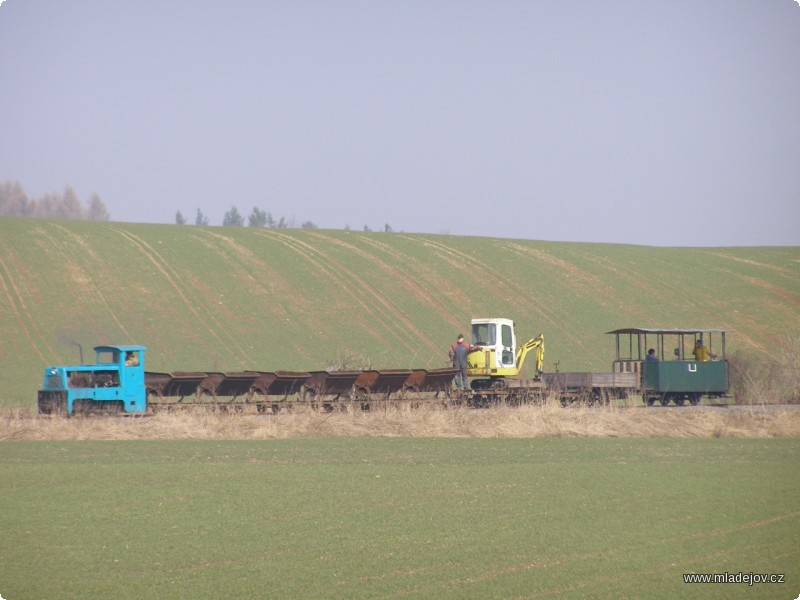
x,y
495,360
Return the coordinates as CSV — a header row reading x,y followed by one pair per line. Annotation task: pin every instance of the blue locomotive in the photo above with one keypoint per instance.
x,y
115,383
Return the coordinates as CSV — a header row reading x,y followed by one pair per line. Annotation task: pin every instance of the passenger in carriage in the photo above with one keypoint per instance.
x,y
700,352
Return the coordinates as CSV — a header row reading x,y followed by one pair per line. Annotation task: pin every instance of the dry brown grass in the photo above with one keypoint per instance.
x,y
775,378
501,422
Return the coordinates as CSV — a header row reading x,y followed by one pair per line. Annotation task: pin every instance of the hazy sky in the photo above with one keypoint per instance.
x,y
636,121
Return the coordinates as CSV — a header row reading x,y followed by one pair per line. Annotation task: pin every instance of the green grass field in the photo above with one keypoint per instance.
x,y
397,518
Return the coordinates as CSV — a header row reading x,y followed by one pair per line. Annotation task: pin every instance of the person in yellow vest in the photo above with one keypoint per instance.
x,y
700,352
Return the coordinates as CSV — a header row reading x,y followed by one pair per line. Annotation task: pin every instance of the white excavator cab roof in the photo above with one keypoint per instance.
x,y
493,332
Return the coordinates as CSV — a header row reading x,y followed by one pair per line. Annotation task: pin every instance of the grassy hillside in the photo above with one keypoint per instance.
x,y
210,298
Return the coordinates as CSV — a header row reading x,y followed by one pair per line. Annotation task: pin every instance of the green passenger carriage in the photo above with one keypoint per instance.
x,y
674,365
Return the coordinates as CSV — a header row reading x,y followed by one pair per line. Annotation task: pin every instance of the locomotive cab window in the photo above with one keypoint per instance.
x,y
107,357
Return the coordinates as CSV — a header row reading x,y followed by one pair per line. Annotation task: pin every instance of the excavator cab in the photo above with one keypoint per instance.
x,y
495,352
496,338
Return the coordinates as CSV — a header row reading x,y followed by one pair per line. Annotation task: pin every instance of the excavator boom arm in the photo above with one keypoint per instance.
x,y
536,344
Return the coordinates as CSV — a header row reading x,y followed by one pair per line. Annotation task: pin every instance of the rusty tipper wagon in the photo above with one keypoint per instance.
x,y
675,365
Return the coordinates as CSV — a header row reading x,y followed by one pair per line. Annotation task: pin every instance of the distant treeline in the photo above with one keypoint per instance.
x,y
16,203
257,218
233,218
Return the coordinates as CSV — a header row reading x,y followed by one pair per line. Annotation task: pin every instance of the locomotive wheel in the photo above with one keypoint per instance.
x,y
694,400
680,399
665,399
